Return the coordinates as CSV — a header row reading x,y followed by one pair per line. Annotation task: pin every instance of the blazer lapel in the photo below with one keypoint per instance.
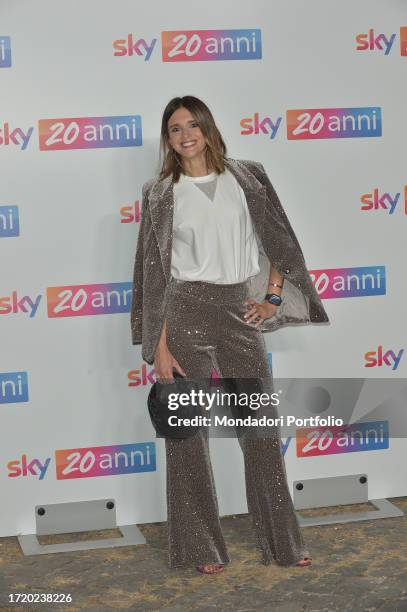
x,y
161,204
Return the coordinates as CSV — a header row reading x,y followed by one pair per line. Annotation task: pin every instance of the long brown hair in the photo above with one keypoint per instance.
x,y
215,150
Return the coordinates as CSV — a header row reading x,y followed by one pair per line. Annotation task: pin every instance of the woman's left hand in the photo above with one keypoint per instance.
x,y
259,311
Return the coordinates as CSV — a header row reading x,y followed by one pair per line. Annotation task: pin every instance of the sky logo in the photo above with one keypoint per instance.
x,y
13,305
387,202
131,214
82,300
255,125
130,47
211,45
21,467
374,42
141,376
90,132
317,441
105,460
9,222
378,358
13,387
17,136
314,123
349,282
381,42
5,51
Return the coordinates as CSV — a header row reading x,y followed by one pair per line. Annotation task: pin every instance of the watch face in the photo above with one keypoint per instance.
x,y
275,299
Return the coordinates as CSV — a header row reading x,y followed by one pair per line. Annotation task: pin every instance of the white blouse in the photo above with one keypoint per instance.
x,y
213,236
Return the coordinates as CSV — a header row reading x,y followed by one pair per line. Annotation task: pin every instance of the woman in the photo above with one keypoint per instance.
x,y
217,263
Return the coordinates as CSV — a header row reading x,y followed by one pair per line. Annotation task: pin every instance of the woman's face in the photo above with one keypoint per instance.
x,y
184,134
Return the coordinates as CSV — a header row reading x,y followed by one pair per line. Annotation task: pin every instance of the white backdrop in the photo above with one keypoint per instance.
x,y
67,363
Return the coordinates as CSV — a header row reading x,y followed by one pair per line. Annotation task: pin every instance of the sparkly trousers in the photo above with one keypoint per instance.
x,y
206,329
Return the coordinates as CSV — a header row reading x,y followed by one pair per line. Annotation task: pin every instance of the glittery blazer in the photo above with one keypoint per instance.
x,y
277,244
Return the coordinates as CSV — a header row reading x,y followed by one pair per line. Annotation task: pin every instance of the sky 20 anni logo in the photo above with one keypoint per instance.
x,y
80,300
88,462
195,45
65,133
73,300
318,123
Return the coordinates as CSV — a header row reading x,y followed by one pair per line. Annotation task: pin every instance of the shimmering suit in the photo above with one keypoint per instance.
x,y
205,328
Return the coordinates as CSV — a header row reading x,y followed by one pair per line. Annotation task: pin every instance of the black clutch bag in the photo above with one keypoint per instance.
x,y
158,400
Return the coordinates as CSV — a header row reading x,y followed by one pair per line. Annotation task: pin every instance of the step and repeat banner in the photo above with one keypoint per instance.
x,y
313,91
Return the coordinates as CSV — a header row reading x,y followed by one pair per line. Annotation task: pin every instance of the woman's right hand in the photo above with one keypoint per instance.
x,y
165,363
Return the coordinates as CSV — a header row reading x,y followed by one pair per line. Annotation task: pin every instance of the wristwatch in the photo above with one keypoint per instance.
x,y
273,298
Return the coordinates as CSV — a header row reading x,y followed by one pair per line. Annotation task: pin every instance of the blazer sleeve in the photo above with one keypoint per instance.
x,y
289,241
136,317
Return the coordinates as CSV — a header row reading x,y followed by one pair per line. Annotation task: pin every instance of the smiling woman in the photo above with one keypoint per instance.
x,y
182,137
216,258
185,135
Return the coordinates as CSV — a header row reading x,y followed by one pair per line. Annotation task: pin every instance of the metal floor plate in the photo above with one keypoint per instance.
x,y
385,509
131,536
74,517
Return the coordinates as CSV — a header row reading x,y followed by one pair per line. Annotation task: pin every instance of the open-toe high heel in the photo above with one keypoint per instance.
x,y
305,562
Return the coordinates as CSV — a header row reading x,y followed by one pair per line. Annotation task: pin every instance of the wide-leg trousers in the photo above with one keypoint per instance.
x,y
206,329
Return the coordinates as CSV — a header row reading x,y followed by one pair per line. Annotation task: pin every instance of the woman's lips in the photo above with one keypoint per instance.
x,y
188,144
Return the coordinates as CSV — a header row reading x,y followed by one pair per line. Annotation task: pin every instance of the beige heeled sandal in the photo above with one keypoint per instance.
x,y
305,562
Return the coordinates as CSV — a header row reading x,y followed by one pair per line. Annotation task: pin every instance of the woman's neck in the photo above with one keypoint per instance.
x,y
195,167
